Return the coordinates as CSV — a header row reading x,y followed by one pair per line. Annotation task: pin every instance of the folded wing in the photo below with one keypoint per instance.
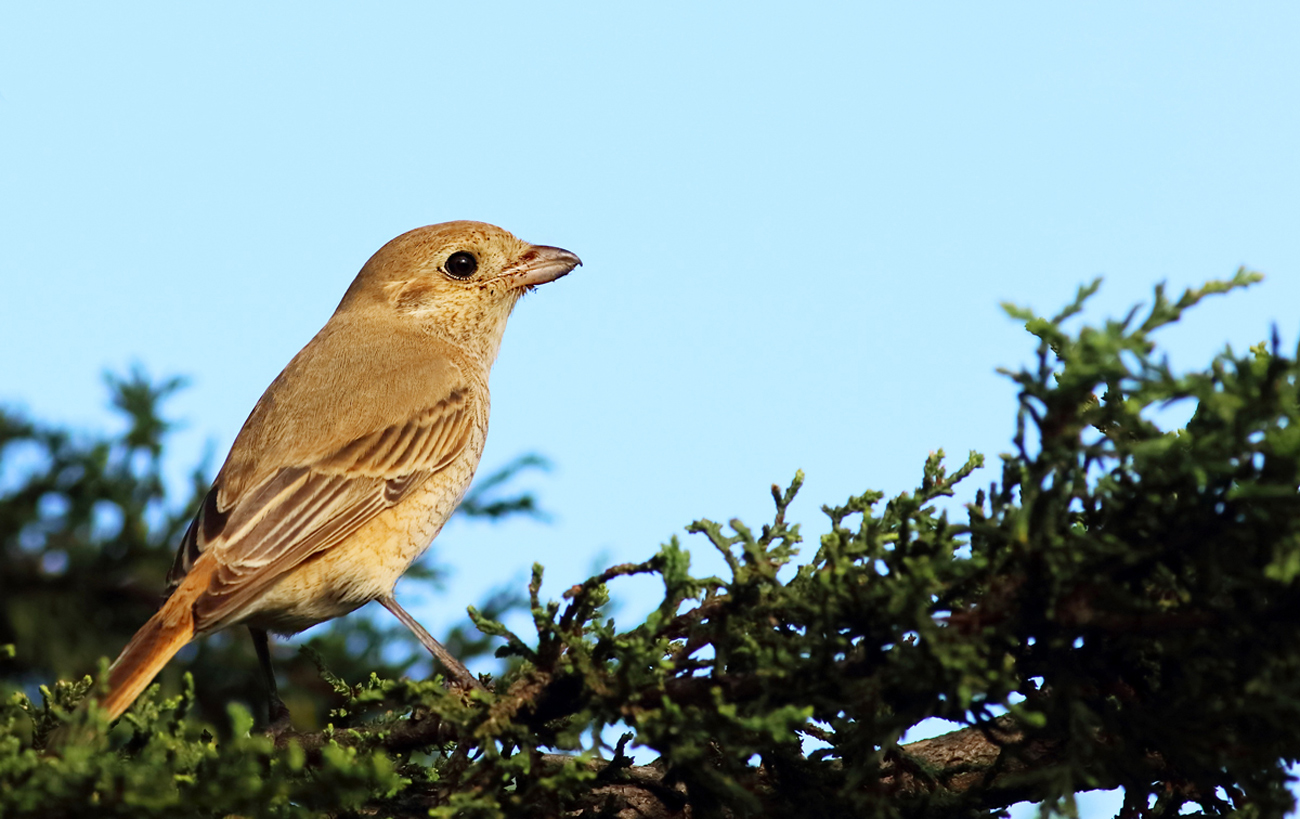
x,y
288,513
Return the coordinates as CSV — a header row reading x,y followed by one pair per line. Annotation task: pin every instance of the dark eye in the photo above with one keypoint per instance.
x,y
461,264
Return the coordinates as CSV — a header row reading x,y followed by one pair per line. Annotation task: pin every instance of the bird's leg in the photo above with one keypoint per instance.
x,y
277,711
458,672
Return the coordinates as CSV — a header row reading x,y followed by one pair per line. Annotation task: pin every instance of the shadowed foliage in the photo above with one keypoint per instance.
x,y
1116,609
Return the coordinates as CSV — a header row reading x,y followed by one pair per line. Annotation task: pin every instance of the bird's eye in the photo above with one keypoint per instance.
x,y
461,264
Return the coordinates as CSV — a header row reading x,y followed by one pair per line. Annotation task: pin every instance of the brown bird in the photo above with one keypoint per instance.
x,y
354,457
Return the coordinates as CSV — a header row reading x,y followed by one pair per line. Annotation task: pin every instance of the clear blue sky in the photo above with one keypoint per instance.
x,y
797,225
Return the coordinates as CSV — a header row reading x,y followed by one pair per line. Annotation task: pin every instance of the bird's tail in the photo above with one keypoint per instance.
x,y
153,645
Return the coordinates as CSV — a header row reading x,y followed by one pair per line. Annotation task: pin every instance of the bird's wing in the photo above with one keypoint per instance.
x,y
298,511
285,495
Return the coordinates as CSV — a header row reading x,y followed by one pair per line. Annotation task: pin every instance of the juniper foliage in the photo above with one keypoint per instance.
x,y
1117,609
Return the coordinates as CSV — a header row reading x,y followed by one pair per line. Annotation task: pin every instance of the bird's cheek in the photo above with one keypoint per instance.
x,y
413,296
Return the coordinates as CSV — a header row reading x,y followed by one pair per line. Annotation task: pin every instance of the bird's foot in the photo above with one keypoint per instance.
x,y
279,717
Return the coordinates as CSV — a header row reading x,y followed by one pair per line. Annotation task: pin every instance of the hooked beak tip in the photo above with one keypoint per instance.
x,y
544,264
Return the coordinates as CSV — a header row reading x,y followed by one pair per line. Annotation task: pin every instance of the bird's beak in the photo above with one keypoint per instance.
x,y
540,265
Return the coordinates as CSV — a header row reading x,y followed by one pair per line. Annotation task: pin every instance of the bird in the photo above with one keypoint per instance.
x,y
355,456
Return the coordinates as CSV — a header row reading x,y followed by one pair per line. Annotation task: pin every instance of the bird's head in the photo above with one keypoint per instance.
x,y
458,279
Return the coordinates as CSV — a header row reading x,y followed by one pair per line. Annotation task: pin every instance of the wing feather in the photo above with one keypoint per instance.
x,y
285,515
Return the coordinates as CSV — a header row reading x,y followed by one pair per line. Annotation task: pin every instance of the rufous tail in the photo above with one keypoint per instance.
x,y
153,645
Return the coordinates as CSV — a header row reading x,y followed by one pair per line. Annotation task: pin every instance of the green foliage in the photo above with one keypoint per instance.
x,y
166,765
87,522
1117,609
